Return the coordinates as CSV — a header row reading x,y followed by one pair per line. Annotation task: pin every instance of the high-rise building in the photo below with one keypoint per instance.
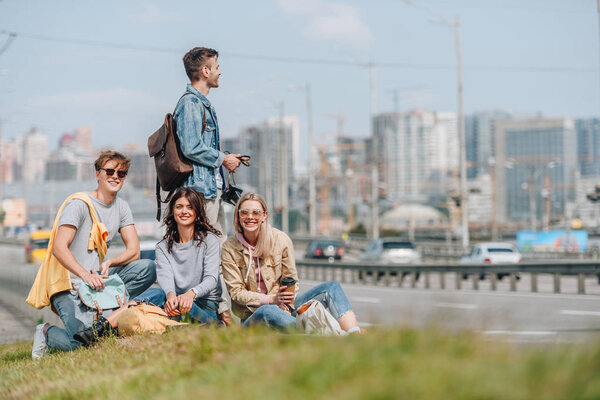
x,y
588,146
8,151
35,155
271,146
479,135
66,164
417,154
535,169
83,140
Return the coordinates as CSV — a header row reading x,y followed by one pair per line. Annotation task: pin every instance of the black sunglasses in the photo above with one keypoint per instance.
x,y
111,172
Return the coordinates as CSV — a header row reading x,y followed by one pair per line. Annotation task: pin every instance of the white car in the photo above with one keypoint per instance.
x,y
493,253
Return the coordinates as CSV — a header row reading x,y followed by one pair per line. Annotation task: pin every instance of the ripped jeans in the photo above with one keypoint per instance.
x,y
329,293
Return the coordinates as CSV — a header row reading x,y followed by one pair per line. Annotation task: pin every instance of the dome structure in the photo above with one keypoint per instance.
x,y
417,215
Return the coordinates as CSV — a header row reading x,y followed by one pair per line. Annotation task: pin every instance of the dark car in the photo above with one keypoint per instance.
x,y
325,248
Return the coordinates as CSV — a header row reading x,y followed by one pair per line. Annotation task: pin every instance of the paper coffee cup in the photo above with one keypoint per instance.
x,y
290,283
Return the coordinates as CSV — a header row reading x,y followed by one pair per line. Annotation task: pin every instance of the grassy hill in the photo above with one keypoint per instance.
x,y
197,362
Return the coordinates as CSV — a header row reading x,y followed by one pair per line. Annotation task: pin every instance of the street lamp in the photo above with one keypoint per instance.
x,y
439,19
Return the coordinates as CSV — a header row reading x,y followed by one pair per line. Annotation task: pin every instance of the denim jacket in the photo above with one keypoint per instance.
x,y
204,150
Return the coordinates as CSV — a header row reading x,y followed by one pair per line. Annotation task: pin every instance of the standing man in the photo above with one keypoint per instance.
x,y
203,148
71,249
200,141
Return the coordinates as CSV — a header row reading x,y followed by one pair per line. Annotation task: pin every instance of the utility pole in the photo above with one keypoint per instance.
x,y
375,151
462,142
283,171
493,194
2,150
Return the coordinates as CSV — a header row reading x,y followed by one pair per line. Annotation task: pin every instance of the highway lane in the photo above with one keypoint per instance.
x,y
519,317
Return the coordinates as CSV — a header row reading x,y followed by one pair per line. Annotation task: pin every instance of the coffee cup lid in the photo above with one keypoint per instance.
x,y
288,281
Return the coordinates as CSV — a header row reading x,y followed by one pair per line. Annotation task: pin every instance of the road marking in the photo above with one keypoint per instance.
x,y
520,333
365,324
580,312
373,300
457,305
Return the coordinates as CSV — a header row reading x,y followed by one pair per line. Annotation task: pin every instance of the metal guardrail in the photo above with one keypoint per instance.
x,y
360,273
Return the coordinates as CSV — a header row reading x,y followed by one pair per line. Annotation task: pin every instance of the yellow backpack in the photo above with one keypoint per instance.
x,y
144,318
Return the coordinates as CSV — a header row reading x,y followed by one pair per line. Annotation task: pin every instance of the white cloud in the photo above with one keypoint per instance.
x,y
152,15
328,21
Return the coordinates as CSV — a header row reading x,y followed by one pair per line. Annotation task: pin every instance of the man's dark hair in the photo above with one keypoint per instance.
x,y
195,59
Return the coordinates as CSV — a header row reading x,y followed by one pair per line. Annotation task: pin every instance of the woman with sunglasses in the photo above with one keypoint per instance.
x,y
256,259
187,261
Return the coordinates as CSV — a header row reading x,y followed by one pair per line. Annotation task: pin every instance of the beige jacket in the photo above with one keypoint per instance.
x,y
245,297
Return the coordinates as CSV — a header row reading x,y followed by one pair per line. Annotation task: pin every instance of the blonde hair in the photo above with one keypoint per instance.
x,y
264,244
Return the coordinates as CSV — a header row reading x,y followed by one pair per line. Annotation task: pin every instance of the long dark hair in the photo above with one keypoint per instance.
x,y
201,225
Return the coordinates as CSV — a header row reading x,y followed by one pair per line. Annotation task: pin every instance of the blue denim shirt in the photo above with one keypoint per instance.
x,y
204,150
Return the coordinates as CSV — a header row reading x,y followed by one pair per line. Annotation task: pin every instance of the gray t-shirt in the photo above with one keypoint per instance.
x,y
189,266
76,213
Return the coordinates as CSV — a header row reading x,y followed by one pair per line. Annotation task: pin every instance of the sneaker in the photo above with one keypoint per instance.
x,y
40,348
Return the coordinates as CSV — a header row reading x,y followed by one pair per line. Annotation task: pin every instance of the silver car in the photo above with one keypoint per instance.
x,y
392,251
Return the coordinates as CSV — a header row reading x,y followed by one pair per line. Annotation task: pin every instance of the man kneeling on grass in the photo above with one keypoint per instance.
x,y
84,226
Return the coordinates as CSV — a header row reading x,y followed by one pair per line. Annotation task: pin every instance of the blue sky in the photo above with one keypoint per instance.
x,y
528,56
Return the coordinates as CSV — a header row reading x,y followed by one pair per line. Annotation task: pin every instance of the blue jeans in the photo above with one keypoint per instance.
x,y
329,293
138,276
202,310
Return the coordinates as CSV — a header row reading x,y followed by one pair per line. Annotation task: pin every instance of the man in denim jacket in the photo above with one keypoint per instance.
x,y
203,148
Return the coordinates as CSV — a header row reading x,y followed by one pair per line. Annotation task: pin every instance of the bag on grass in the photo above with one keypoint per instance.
x,y
144,318
313,317
113,296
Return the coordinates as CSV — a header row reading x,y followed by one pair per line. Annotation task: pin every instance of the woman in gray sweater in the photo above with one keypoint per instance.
x,y
187,261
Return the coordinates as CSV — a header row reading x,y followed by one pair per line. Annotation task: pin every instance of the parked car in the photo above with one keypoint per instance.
x,y
325,248
391,251
37,245
492,253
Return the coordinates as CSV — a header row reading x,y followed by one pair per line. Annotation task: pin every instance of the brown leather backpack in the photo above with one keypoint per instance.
x,y
172,168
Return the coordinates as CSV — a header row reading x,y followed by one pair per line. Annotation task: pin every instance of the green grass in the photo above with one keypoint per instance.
x,y
240,364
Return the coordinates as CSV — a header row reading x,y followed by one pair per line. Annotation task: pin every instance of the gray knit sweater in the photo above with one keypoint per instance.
x,y
189,266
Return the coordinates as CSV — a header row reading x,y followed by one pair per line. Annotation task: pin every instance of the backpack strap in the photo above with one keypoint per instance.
x,y
159,200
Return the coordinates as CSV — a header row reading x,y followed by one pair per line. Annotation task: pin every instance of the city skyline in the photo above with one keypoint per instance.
x,y
117,66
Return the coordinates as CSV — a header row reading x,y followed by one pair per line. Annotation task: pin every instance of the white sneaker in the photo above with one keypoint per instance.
x,y
40,348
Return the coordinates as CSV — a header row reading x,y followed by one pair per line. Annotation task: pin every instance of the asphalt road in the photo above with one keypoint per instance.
x,y
518,317
14,327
